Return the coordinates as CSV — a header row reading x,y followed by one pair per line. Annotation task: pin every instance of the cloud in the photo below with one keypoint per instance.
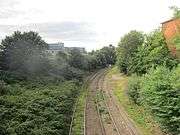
x,y
10,3
63,31
7,9
8,13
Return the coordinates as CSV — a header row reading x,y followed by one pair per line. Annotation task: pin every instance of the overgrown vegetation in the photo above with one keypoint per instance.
x,y
37,110
127,48
156,85
78,120
134,88
37,90
160,93
149,53
142,118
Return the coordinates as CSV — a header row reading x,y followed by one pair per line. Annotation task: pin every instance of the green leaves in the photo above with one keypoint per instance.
x,y
23,54
133,89
105,56
160,90
42,110
152,53
127,47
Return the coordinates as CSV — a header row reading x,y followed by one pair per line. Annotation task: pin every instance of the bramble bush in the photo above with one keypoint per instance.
x,y
3,88
45,109
37,89
152,53
157,83
160,92
133,89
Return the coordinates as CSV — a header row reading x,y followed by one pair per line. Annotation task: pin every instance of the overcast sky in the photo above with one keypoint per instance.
x,y
88,23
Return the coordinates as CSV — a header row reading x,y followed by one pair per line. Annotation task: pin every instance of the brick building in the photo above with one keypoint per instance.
x,y
171,29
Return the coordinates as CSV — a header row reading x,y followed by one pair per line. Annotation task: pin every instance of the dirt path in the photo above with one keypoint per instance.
x,y
103,114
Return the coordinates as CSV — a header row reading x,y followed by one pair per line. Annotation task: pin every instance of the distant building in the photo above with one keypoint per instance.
x,y
171,29
55,48
81,49
59,47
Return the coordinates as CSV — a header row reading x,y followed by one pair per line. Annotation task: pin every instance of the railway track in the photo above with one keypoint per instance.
x,y
95,120
87,80
112,122
123,124
106,128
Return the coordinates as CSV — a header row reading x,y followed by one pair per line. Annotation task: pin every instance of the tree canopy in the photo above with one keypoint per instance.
x,y
127,47
23,53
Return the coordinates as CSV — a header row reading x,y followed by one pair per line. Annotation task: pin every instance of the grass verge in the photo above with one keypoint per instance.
x,y
78,121
138,114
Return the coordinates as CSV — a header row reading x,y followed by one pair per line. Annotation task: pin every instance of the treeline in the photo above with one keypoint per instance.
x,y
155,76
24,55
38,91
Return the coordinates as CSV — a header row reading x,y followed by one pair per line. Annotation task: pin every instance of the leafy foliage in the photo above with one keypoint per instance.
x,y
133,89
104,57
38,91
23,54
78,60
126,49
157,87
160,93
152,53
3,88
38,111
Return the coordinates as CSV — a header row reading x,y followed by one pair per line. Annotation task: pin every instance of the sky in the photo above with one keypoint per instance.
x,y
85,23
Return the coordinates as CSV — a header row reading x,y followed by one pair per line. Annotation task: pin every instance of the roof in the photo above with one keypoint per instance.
x,y
170,20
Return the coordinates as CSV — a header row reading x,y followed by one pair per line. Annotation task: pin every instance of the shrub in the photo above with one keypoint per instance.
x,y
134,89
127,47
154,52
160,90
46,109
3,88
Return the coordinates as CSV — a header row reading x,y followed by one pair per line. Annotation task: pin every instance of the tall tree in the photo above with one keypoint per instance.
x,y
77,59
105,56
152,53
127,47
23,53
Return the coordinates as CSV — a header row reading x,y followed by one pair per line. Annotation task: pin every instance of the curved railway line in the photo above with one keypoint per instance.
x,y
93,122
123,124
87,80
104,116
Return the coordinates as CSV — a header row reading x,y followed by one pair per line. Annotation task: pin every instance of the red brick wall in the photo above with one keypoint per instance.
x,y
170,29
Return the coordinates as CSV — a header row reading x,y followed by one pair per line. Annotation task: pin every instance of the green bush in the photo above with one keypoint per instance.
x,y
154,52
134,88
45,109
127,48
3,88
160,91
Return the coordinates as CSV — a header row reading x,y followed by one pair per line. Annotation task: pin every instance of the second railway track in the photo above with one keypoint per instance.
x,y
103,116
121,121
93,124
